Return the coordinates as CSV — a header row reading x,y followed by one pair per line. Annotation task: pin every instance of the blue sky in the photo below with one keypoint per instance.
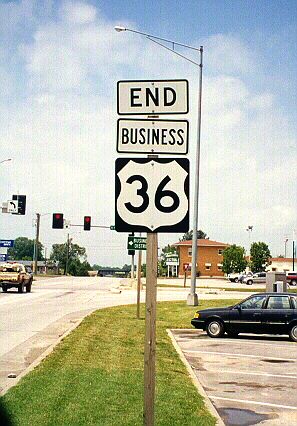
x,y
59,64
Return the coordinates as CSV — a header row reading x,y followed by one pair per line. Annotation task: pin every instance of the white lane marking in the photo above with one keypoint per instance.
x,y
285,376
240,355
246,401
250,342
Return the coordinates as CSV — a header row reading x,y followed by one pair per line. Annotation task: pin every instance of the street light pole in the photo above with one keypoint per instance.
x,y
192,299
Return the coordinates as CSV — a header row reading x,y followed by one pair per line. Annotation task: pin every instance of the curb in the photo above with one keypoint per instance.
x,y
196,382
38,360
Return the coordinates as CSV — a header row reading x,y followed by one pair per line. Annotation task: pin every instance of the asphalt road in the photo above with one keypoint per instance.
x,y
31,322
250,380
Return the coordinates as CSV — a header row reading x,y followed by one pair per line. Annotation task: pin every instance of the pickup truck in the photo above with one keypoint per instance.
x,y
15,275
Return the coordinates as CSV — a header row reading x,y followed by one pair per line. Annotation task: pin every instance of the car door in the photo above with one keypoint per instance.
x,y
277,314
246,317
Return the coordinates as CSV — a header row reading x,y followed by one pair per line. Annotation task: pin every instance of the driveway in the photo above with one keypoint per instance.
x,y
250,380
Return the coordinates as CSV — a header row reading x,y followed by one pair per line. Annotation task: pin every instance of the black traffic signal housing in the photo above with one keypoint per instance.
x,y
58,221
87,223
21,199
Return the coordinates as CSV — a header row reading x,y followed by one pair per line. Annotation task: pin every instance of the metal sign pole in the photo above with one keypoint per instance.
x,y
150,329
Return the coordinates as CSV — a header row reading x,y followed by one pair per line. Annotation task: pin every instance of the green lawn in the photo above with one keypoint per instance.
x,y
95,376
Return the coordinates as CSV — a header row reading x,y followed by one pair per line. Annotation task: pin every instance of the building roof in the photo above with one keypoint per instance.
x,y
202,243
282,259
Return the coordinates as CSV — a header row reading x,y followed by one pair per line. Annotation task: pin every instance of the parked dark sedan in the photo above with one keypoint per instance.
x,y
264,313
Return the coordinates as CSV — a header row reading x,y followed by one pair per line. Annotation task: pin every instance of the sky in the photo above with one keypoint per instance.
x,y
59,65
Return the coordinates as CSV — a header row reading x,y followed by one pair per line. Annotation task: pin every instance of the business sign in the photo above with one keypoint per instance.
x,y
6,243
3,257
153,97
136,243
172,259
152,136
152,195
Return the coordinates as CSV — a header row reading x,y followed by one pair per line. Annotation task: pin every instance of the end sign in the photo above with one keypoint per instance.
x,y
153,97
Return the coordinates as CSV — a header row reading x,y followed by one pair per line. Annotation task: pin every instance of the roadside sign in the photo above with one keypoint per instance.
x,y
3,257
6,243
136,243
152,195
172,259
12,206
152,136
152,97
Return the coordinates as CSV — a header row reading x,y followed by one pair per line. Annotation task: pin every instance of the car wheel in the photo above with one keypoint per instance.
x,y
293,333
28,287
236,280
232,333
4,288
21,288
293,282
215,328
249,282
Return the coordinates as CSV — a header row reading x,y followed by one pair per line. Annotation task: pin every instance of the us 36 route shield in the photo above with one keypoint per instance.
x,y
152,195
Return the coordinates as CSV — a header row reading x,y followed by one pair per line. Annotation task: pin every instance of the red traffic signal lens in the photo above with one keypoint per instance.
x,y
57,216
87,219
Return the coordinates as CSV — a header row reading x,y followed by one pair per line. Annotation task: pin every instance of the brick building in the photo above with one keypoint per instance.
x,y
210,257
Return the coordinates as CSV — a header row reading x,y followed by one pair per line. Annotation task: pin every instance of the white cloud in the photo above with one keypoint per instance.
x,y
77,12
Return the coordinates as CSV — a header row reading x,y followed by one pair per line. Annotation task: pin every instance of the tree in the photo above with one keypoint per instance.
x,y
75,255
234,259
189,235
23,249
260,256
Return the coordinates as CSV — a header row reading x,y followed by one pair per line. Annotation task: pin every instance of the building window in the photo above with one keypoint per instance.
x,y
208,266
190,251
220,266
220,251
274,269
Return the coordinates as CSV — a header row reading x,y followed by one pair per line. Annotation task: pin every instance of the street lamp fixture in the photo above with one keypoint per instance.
x,y
192,299
119,29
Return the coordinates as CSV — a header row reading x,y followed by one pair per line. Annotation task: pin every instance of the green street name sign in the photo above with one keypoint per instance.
x,y
136,243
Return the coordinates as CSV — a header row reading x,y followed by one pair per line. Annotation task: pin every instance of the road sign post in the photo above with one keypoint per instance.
x,y
150,328
151,194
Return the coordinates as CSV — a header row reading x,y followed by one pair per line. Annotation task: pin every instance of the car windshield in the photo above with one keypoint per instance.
x,y
255,302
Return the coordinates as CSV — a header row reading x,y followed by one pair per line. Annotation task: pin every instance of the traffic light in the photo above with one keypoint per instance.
x,y
87,223
21,203
58,221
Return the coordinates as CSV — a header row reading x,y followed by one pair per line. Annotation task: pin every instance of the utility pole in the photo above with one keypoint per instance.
x,y
67,255
35,269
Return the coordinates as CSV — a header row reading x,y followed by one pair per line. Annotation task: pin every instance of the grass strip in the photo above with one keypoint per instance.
x,y
95,375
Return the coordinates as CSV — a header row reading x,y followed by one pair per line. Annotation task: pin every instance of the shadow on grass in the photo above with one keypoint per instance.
x,y
5,418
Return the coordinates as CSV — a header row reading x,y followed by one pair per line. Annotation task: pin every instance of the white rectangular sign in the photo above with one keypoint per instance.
x,y
152,136
153,97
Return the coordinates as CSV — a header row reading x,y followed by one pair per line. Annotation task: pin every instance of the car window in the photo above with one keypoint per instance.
x,y
294,300
255,302
278,302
